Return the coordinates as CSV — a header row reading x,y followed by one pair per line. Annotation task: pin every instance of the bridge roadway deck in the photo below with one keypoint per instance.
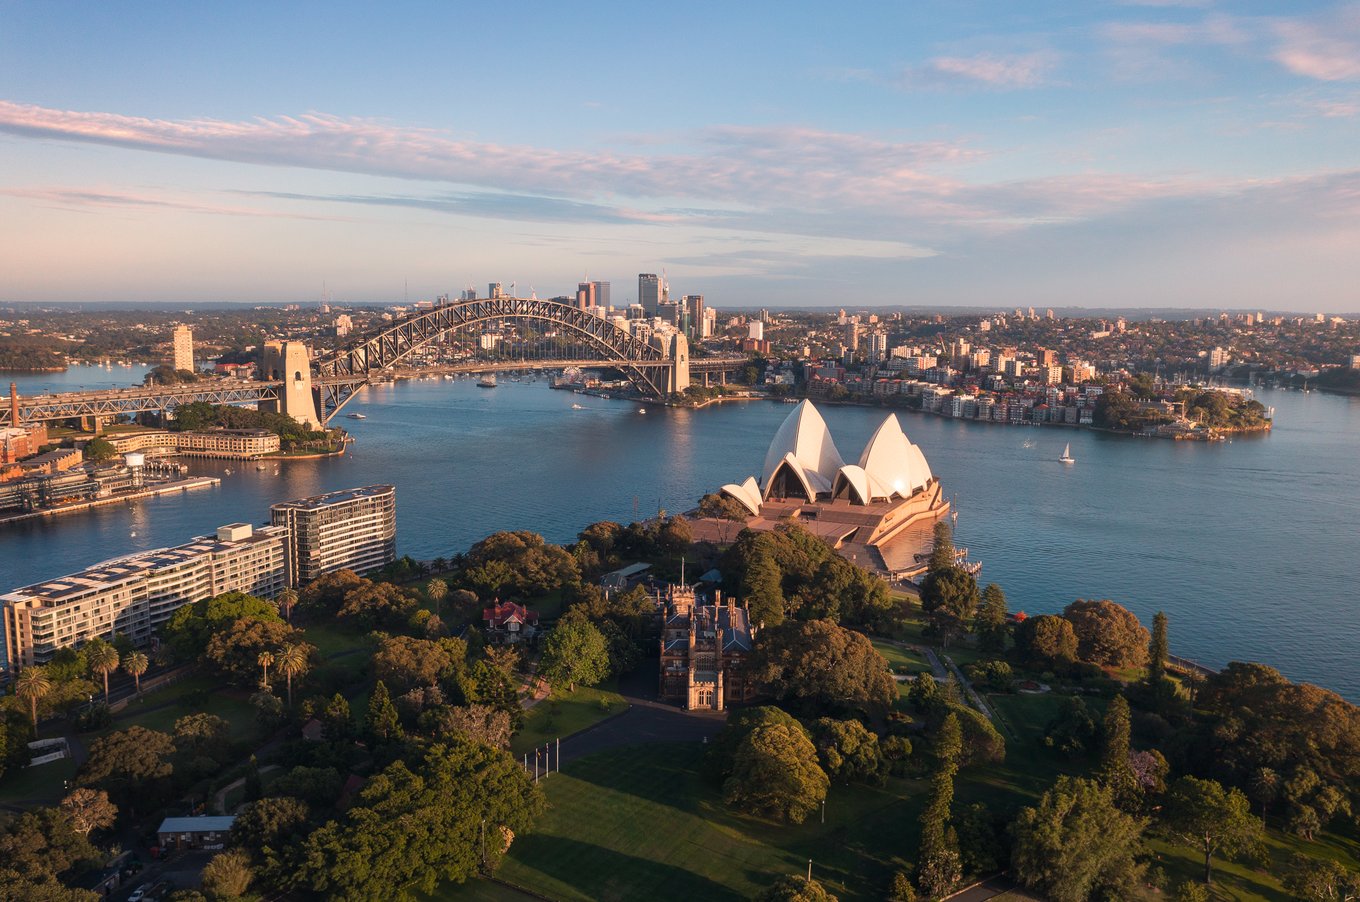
x,y
140,399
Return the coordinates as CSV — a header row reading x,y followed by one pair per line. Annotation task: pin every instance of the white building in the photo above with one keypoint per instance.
x,y
355,529
184,348
134,595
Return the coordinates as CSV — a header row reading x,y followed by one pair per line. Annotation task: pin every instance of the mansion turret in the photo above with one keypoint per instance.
x,y
703,648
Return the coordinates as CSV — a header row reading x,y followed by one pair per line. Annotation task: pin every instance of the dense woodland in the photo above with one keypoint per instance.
x,y
411,782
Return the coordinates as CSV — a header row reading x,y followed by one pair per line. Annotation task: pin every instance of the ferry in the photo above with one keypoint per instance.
x,y
487,381
357,416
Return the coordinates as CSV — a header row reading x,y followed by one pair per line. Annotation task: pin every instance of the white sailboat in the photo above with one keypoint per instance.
x,y
1067,457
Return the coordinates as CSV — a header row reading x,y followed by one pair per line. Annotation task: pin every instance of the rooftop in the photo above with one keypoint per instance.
x,y
344,496
201,824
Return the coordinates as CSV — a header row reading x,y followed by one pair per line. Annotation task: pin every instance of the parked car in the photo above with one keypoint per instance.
x,y
139,894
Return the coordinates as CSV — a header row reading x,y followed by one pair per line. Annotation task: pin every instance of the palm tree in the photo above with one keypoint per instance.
x,y
436,590
286,601
266,658
293,662
32,684
103,660
135,663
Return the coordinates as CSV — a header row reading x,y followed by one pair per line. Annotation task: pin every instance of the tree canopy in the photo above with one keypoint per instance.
x,y
822,667
1107,634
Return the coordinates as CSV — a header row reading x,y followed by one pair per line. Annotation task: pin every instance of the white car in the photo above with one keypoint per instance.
x,y
138,894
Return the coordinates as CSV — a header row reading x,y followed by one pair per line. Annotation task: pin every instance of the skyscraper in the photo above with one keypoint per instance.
x,y
694,307
601,294
585,295
649,292
184,348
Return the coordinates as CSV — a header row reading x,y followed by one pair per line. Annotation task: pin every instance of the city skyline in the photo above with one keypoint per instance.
x,y
1144,154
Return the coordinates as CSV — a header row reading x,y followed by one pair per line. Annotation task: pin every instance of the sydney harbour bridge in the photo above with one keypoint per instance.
x,y
313,388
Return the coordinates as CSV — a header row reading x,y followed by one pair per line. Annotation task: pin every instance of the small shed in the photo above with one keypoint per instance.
x,y
205,832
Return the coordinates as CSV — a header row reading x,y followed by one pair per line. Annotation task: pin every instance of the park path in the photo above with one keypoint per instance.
x,y
220,798
986,889
968,688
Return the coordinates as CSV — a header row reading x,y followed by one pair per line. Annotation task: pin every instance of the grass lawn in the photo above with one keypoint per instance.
x,y
639,823
901,660
564,713
44,783
154,714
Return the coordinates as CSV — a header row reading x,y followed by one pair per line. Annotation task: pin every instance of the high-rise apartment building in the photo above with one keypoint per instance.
x,y
877,347
184,348
355,529
649,292
852,334
136,594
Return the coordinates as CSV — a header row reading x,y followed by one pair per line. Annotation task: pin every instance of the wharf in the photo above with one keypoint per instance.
x,y
164,488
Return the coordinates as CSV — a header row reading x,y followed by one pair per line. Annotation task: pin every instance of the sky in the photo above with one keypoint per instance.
x,y
1153,153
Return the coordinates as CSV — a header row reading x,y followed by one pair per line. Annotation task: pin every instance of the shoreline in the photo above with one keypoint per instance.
x,y
168,488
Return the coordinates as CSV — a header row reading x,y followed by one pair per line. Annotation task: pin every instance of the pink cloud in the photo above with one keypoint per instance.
x,y
1327,49
1027,70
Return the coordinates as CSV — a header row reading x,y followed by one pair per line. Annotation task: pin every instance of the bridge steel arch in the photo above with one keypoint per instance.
x,y
342,372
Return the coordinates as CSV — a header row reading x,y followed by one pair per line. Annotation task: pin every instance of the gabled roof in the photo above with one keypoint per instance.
x,y
804,444
507,612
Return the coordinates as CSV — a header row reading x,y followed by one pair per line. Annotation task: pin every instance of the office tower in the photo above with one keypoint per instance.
x,y
694,310
494,291
355,529
184,348
601,294
649,292
585,295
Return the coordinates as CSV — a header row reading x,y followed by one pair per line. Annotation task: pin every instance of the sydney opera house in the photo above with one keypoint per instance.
x,y
879,512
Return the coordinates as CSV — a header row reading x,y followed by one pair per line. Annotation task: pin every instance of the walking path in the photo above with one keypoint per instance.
x,y
968,688
220,798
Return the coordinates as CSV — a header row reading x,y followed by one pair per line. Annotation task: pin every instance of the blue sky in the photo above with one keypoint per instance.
x,y
1151,153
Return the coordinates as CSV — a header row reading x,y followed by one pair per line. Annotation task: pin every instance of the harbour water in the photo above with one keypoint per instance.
x,y
1251,547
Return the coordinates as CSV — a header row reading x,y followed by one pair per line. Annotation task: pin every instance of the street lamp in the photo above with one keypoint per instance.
x,y
823,811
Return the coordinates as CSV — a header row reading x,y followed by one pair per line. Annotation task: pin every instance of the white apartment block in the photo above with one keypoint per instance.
x,y
136,594
351,530
184,348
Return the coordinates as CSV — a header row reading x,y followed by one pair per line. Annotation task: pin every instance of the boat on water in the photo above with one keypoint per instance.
x,y
577,407
261,467
487,381
642,410
357,416
1067,457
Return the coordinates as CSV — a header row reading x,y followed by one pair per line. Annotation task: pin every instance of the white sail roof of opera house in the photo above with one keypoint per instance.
x,y
804,445
890,465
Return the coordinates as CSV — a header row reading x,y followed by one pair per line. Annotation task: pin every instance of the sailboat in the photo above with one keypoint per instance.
x,y
1067,457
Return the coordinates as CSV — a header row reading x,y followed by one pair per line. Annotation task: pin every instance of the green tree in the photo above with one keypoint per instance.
x,y
1114,771
795,888
286,601
418,822
136,663
99,449
377,604
88,810
991,620
900,889
132,765
436,590
1157,650
822,667
203,735
1212,819
848,752
336,720
265,658
942,550
103,660
235,651
380,721
1076,845
32,685
1047,642
1107,634
227,876
36,849
775,774
575,652
1320,880
293,662
267,830
939,867
406,663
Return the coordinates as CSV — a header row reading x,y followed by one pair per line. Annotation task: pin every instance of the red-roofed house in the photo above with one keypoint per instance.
x,y
508,621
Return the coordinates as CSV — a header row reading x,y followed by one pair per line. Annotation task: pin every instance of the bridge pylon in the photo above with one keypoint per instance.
x,y
676,347
290,361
